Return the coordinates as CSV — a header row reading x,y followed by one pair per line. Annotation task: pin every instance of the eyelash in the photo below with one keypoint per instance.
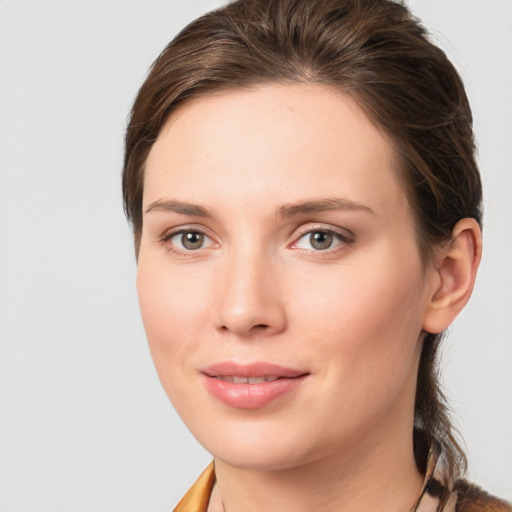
x,y
166,239
343,239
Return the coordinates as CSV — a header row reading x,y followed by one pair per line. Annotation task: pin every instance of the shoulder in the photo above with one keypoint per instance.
x,y
471,498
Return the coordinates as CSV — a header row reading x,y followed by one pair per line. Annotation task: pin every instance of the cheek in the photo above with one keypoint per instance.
x,y
364,326
367,317
173,305
360,298
173,308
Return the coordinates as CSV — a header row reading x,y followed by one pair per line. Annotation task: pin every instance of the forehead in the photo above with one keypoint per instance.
x,y
301,140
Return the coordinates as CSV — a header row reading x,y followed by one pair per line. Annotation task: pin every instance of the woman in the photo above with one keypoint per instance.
x,y
306,206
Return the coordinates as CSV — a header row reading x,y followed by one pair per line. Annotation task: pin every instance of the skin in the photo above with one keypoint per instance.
x,y
258,289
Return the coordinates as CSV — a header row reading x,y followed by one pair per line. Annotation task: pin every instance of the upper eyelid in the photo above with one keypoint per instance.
x,y
312,227
304,229
170,232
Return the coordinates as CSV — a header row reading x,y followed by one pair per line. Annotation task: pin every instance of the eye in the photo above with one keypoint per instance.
x,y
188,240
320,240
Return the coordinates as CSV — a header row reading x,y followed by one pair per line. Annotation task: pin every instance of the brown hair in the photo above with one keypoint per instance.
x,y
377,52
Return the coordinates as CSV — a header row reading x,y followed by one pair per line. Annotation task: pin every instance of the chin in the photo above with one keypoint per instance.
x,y
260,458
261,446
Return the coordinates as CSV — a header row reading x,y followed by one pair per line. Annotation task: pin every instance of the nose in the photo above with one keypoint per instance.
x,y
250,302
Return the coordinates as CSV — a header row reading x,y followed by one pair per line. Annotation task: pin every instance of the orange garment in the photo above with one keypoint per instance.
x,y
198,496
434,496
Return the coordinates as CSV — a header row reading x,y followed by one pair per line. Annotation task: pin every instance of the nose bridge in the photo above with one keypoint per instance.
x,y
248,300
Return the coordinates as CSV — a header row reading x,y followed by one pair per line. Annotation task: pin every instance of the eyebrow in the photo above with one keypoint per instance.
x,y
322,205
169,205
286,210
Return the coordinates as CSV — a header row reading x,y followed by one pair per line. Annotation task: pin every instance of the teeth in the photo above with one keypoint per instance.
x,y
255,380
247,380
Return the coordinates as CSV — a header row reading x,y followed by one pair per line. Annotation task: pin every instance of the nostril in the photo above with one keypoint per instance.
x,y
252,330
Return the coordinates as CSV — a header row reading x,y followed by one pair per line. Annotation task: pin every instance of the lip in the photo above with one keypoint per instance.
x,y
254,395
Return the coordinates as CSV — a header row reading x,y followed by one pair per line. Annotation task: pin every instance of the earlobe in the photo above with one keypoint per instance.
x,y
455,272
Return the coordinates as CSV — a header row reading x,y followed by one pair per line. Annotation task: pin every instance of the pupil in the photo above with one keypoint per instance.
x,y
192,240
320,240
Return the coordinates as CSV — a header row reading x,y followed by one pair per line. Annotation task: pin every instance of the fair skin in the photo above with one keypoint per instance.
x,y
276,232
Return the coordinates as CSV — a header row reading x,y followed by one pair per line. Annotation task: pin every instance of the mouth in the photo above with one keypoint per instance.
x,y
251,386
256,371
246,380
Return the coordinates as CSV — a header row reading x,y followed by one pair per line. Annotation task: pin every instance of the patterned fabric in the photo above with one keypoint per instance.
x,y
437,494
440,495
470,498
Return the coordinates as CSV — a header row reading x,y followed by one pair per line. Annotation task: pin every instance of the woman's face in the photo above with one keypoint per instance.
x,y
279,279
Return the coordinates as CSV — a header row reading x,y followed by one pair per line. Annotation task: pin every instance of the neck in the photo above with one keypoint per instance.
x,y
377,476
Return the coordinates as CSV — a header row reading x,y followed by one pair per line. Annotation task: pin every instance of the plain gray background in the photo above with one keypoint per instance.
x,y
84,424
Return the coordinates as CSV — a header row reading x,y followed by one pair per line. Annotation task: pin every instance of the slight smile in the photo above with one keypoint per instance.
x,y
251,386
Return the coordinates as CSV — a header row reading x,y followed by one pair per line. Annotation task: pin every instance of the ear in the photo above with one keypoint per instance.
x,y
454,275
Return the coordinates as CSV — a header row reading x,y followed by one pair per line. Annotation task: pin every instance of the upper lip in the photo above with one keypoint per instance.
x,y
255,369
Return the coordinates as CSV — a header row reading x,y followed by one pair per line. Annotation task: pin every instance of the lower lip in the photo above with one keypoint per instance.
x,y
251,396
